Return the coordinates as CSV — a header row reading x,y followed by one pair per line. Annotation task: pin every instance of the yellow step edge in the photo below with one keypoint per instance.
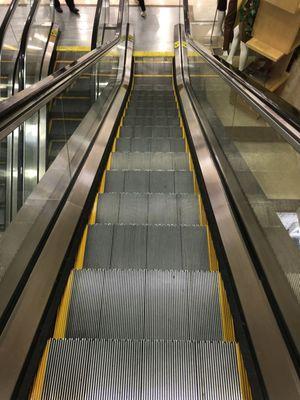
x,y
74,49
153,54
153,76
80,254
227,321
92,219
102,184
213,261
62,315
204,75
38,384
244,382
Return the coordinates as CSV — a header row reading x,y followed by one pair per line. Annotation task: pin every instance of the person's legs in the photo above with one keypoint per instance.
x,y
229,24
143,8
57,6
71,5
235,44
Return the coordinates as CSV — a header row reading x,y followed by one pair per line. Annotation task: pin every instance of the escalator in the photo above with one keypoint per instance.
x,y
129,320
130,274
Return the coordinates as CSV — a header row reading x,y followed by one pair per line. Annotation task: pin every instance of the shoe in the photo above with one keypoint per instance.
x,y
74,10
59,9
143,14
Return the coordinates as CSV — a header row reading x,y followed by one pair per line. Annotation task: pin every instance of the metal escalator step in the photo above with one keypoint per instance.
x,y
129,246
98,252
147,111
155,208
153,81
108,208
164,247
141,369
150,121
133,208
166,305
149,181
154,103
217,372
93,369
205,319
162,182
194,247
153,88
146,246
85,304
162,209
151,132
137,304
188,209
149,144
169,370
150,161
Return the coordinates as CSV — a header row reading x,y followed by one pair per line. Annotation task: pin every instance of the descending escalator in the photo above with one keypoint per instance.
x,y
144,313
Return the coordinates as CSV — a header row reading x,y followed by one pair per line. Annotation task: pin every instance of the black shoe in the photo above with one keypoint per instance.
x,y
74,10
59,9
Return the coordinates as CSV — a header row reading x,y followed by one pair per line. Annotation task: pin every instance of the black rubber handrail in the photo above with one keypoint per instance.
x,y
11,108
6,20
96,24
18,74
284,114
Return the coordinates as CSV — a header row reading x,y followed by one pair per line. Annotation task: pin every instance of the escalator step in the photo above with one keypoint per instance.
x,y
138,208
154,103
137,304
147,246
153,81
140,369
149,181
150,161
145,111
151,121
153,89
151,132
154,145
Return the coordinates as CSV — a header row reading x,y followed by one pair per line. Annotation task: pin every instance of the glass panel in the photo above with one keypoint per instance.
x,y
266,166
51,133
37,42
10,47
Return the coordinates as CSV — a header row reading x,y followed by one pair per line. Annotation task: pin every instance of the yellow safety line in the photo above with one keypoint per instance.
x,y
213,261
92,219
244,382
102,184
153,76
153,62
227,321
81,250
204,75
37,388
73,48
153,54
62,315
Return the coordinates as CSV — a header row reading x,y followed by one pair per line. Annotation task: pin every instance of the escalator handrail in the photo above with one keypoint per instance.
x,y
18,74
15,107
6,20
281,113
99,9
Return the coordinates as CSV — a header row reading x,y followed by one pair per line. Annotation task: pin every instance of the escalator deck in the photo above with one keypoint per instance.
x,y
145,313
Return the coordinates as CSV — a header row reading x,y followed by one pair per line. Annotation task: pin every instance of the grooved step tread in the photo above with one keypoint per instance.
x,y
150,144
136,304
149,131
149,181
146,246
150,121
150,161
141,369
137,208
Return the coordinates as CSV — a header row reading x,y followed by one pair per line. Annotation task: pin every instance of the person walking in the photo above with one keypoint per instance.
x,y
70,4
143,8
